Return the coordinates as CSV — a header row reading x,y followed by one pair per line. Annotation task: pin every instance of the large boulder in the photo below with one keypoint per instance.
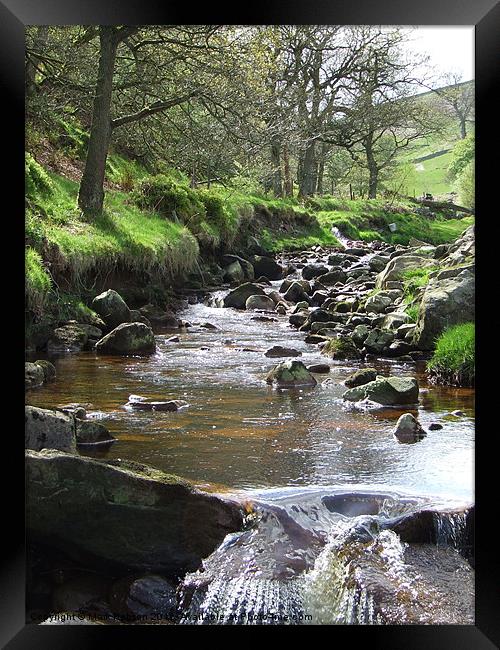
x,y
237,297
340,348
289,374
92,433
154,314
360,377
111,308
123,514
46,429
396,268
389,391
444,303
128,338
332,277
267,266
260,302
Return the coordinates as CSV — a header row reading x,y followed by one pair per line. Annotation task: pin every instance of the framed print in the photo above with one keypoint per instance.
x,y
249,321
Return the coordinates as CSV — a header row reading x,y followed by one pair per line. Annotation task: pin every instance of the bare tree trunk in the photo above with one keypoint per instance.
x,y
288,183
308,176
372,170
41,38
91,194
321,169
463,128
276,180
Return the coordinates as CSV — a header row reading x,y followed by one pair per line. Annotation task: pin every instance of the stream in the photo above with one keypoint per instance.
x,y
289,452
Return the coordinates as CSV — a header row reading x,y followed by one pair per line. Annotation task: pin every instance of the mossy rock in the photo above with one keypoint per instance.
x,y
342,347
360,377
128,339
290,374
389,391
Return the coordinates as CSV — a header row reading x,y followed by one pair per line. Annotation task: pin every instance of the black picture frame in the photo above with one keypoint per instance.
x,y
485,15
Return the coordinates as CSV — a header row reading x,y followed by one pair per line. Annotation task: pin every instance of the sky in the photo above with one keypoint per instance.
x,y
451,49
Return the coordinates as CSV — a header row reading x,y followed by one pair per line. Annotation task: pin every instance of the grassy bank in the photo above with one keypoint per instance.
x,y
157,228
454,358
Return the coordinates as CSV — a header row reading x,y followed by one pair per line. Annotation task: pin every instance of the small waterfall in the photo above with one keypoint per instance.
x,y
451,529
344,241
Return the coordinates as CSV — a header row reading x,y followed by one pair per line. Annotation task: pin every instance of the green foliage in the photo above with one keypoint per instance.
x,y
412,311
124,172
38,282
466,185
454,357
37,181
462,156
71,137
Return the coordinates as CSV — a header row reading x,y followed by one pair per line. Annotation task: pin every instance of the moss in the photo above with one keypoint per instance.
x,y
342,347
453,362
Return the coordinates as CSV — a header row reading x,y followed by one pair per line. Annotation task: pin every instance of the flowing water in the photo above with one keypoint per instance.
x,y
288,451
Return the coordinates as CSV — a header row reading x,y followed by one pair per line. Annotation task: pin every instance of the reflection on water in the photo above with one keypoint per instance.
x,y
239,433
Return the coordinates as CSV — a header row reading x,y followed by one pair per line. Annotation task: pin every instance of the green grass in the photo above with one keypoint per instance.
x,y
38,281
454,357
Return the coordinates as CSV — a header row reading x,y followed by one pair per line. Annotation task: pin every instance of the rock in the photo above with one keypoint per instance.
x,y
341,347
265,319
318,298
264,303
319,325
378,263
394,320
46,429
444,303
128,339
314,339
149,595
435,426
278,351
156,315
398,349
378,340
263,280
396,268
68,338
123,514
297,319
76,410
332,277
359,334
281,309
33,375
289,374
295,293
378,303
245,266
237,297
111,308
389,391
91,433
234,273
267,266
405,330
136,317
209,326
313,271
361,377
49,370
173,339
301,306
138,403
319,368
408,429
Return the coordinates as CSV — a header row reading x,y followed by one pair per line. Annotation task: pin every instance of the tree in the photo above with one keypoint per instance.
x,y
457,97
382,115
